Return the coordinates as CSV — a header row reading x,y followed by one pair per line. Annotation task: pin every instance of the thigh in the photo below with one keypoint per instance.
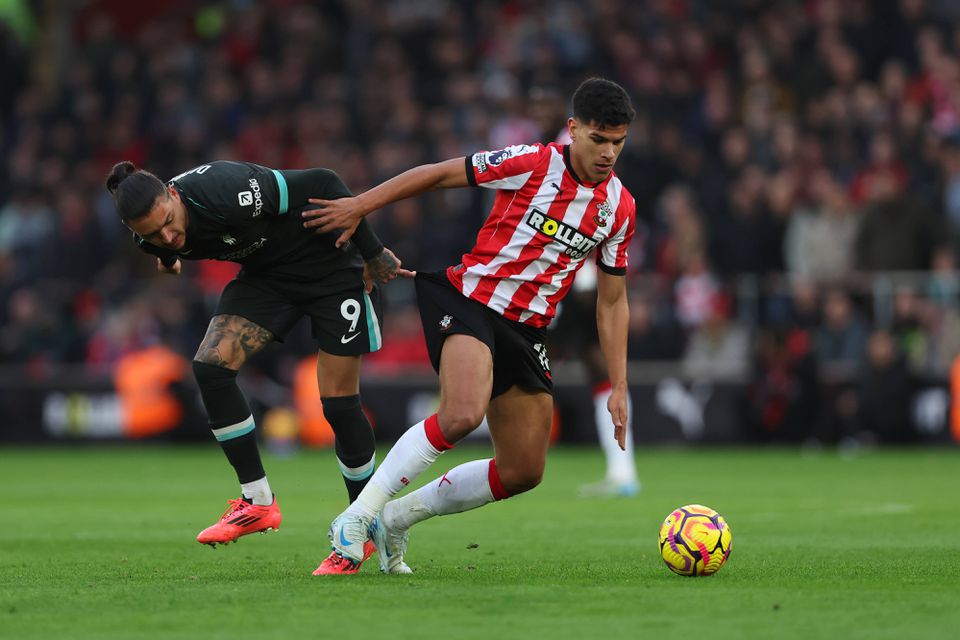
x,y
231,340
466,376
347,322
520,423
338,376
260,301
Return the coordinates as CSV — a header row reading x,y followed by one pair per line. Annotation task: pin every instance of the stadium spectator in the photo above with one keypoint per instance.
x,y
841,340
884,391
871,109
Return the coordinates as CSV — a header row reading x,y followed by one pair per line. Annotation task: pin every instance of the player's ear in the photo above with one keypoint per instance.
x,y
173,193
572,127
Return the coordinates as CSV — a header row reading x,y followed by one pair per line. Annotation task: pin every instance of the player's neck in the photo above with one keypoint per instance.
x,y
574,166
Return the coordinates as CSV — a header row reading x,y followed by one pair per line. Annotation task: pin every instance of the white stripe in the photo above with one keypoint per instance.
x,y
372,321
357,473
510,183
233,428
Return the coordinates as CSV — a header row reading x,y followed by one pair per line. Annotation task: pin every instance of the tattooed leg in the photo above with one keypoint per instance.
x,y
229,342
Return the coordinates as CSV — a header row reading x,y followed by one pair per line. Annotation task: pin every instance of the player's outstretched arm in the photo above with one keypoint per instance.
x,y
613,315
346,213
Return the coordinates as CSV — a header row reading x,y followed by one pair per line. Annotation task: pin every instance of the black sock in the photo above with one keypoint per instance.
x,y
354,440
229,414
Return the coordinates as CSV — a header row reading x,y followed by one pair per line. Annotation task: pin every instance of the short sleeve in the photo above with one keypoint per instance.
x,y
235,192
612,255
507,168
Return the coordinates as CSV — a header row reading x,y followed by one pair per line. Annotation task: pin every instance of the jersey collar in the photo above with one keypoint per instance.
x,y
573,174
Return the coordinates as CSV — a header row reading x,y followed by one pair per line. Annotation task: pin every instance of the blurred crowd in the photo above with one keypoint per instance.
x,y
784,153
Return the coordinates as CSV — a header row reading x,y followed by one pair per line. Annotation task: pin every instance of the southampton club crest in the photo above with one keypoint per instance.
x,y
445,322
604,213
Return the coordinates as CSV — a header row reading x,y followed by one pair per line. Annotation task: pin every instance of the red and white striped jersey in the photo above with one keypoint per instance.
x,y
543,223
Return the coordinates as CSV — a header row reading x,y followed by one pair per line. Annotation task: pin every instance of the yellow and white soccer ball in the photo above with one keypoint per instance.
x,y
695,541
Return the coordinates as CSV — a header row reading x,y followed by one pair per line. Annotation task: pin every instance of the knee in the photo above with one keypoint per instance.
x,y
212,375
519,480
456,422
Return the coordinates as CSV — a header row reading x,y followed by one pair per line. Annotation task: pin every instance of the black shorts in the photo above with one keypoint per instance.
x,y
519,351
344,319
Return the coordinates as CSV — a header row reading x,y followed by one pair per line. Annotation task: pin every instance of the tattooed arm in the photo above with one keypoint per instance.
x,y
383,268
231,340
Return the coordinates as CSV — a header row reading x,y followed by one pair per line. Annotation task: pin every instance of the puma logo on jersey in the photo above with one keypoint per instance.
x,y
577,245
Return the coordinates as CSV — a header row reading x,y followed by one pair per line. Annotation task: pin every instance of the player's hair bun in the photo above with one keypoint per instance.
x,y
120,171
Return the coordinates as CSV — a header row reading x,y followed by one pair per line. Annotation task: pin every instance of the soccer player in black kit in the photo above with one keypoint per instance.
x,y
250,214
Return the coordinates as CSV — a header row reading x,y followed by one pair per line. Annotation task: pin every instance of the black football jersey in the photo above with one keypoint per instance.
x,y
250,214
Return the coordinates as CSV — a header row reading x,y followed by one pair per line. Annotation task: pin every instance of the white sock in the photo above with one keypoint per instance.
x,y
462,488
258,492
621,466
416,450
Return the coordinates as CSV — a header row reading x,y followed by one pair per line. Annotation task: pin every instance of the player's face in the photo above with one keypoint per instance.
x,y
595,148
166,224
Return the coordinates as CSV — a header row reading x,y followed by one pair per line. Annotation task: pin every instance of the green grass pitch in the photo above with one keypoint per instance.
x,y
99,543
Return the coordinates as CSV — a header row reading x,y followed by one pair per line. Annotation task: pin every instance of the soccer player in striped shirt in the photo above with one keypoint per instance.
x,y
484,319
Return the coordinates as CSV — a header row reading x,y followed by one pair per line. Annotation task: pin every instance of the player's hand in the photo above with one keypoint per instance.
x,y
617,406
342,213
174,270
383,268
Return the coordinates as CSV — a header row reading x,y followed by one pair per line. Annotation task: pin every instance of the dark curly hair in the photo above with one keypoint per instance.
x,y
134,190
603,102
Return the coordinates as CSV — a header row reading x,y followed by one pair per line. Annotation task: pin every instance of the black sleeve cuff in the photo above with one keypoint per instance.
x,y
367,241
614,271
472,179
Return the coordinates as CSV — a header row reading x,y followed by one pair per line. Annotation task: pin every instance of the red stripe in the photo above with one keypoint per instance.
x,y
431,426
496,487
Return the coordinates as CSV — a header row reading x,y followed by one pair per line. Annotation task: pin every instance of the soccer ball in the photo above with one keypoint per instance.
x,y
695,541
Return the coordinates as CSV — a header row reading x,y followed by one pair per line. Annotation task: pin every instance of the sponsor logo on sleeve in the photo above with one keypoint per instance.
x,y
497,157
252,197
257,197
480,162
